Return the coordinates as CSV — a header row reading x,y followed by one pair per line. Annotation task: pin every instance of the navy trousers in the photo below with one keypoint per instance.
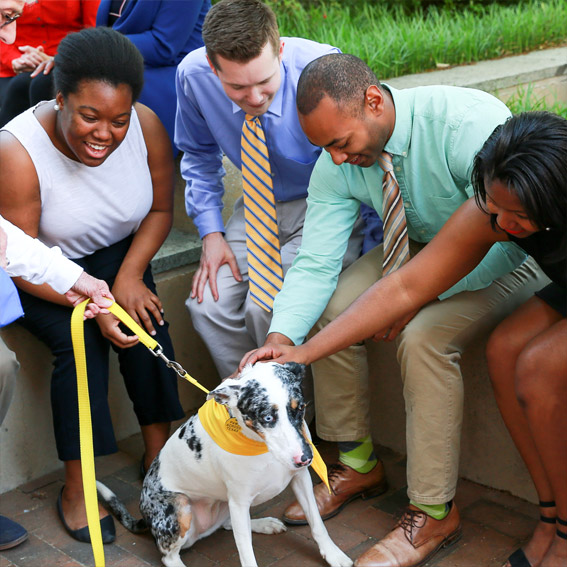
x,y
151,386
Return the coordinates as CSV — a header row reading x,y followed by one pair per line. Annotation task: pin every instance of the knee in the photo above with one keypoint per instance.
x,y
502,353
500,346
420,340
206,310
196,310
531,377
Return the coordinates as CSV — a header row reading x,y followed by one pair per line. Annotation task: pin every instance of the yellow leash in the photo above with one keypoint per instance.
x,y
86,433
85,422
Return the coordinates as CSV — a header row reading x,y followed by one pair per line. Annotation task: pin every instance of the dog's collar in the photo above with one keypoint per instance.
x,y
218,423
213,417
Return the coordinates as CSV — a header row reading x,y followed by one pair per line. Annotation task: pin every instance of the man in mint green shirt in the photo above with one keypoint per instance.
x,y
433,134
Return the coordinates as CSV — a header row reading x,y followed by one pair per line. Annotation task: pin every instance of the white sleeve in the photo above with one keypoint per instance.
x,y
33,261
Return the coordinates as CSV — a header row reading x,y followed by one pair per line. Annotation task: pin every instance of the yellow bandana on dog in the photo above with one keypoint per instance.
x,y
225,432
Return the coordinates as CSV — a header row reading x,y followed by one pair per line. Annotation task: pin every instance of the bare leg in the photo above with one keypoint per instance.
x,y
73,497
155,437
510,372
542,392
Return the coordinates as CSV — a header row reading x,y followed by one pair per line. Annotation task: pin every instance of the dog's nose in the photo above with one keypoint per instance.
x,y
302,460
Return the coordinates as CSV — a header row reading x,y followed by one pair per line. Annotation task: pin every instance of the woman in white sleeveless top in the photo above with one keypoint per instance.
x,y
92,172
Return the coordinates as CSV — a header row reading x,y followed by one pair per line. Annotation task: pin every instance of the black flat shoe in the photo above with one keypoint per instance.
x,y
519,559
107,528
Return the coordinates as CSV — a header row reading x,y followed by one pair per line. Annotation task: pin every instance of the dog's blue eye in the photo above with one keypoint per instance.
x,y
269,418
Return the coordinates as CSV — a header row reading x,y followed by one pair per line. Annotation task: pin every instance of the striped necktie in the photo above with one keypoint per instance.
x,y
262,241
396,245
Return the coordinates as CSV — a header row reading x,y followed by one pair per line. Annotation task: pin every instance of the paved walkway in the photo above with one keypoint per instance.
x,y
494,524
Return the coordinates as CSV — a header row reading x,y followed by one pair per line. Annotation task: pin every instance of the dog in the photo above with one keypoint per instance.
x,y
193,487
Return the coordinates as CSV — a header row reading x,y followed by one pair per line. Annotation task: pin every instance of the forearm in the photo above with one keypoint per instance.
x,y
204,190
43,291
147,241
377,308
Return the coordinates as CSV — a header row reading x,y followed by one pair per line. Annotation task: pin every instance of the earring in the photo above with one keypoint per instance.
x,y
547,228
56,107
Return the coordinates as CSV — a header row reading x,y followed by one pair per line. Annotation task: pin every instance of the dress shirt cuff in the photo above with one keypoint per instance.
x,y
290,326
62,273
209,221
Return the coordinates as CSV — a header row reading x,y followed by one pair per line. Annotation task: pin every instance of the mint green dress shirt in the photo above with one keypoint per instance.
x,y
437,133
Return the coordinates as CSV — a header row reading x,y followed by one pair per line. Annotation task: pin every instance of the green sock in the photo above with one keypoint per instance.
x,y
358,455
436,511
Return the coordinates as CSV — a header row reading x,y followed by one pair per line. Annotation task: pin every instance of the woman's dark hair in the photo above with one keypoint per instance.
x,y
98,54
528,154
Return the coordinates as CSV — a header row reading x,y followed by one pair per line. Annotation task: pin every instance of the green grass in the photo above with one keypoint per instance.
x,y
396,42
525,99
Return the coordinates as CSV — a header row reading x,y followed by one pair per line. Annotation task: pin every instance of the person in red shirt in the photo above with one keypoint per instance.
x,y
25,77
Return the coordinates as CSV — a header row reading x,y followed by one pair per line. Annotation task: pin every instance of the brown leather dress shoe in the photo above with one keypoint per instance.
x,y
414,540
346,485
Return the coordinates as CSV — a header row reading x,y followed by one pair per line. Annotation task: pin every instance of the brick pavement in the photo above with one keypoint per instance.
x,y
494,524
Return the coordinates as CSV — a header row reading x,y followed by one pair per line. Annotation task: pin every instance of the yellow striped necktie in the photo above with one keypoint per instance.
x,y
396,244
265,271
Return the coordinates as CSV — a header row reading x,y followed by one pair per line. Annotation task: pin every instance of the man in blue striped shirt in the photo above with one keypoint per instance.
x,y
244,68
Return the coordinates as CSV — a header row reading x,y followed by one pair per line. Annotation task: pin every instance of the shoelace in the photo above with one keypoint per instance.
x,y
334,471
412,519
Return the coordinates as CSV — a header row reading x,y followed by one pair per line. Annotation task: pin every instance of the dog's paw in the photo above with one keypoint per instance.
x,y
268,526
336,558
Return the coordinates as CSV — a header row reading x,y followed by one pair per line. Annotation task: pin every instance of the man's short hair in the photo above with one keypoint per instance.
x,y
342,77
238,30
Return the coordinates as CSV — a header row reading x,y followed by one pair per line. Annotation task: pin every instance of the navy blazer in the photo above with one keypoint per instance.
x,y
164,31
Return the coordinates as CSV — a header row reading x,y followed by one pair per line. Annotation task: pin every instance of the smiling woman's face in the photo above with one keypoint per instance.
x,y
511,216
93,121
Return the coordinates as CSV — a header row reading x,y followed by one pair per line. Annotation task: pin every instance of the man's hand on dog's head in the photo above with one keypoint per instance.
x,y
278,348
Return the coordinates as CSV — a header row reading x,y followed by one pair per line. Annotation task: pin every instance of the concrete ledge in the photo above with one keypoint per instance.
x,y
180,249
494,75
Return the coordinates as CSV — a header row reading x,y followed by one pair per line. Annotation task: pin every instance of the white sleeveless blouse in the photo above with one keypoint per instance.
x,y
84,209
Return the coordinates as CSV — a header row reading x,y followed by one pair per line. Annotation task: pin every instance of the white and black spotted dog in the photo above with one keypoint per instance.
x,y
194,487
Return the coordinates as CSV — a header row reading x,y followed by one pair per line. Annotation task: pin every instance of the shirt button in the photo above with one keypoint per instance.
x,y
398,168
405,154
407,205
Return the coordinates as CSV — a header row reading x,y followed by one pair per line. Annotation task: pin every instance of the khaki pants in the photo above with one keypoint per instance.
x,y
429,353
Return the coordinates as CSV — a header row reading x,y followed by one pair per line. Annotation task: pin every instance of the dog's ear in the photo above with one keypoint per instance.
x,y
226,391
297,369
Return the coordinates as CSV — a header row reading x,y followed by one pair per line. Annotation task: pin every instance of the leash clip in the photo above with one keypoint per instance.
x,y
158,353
